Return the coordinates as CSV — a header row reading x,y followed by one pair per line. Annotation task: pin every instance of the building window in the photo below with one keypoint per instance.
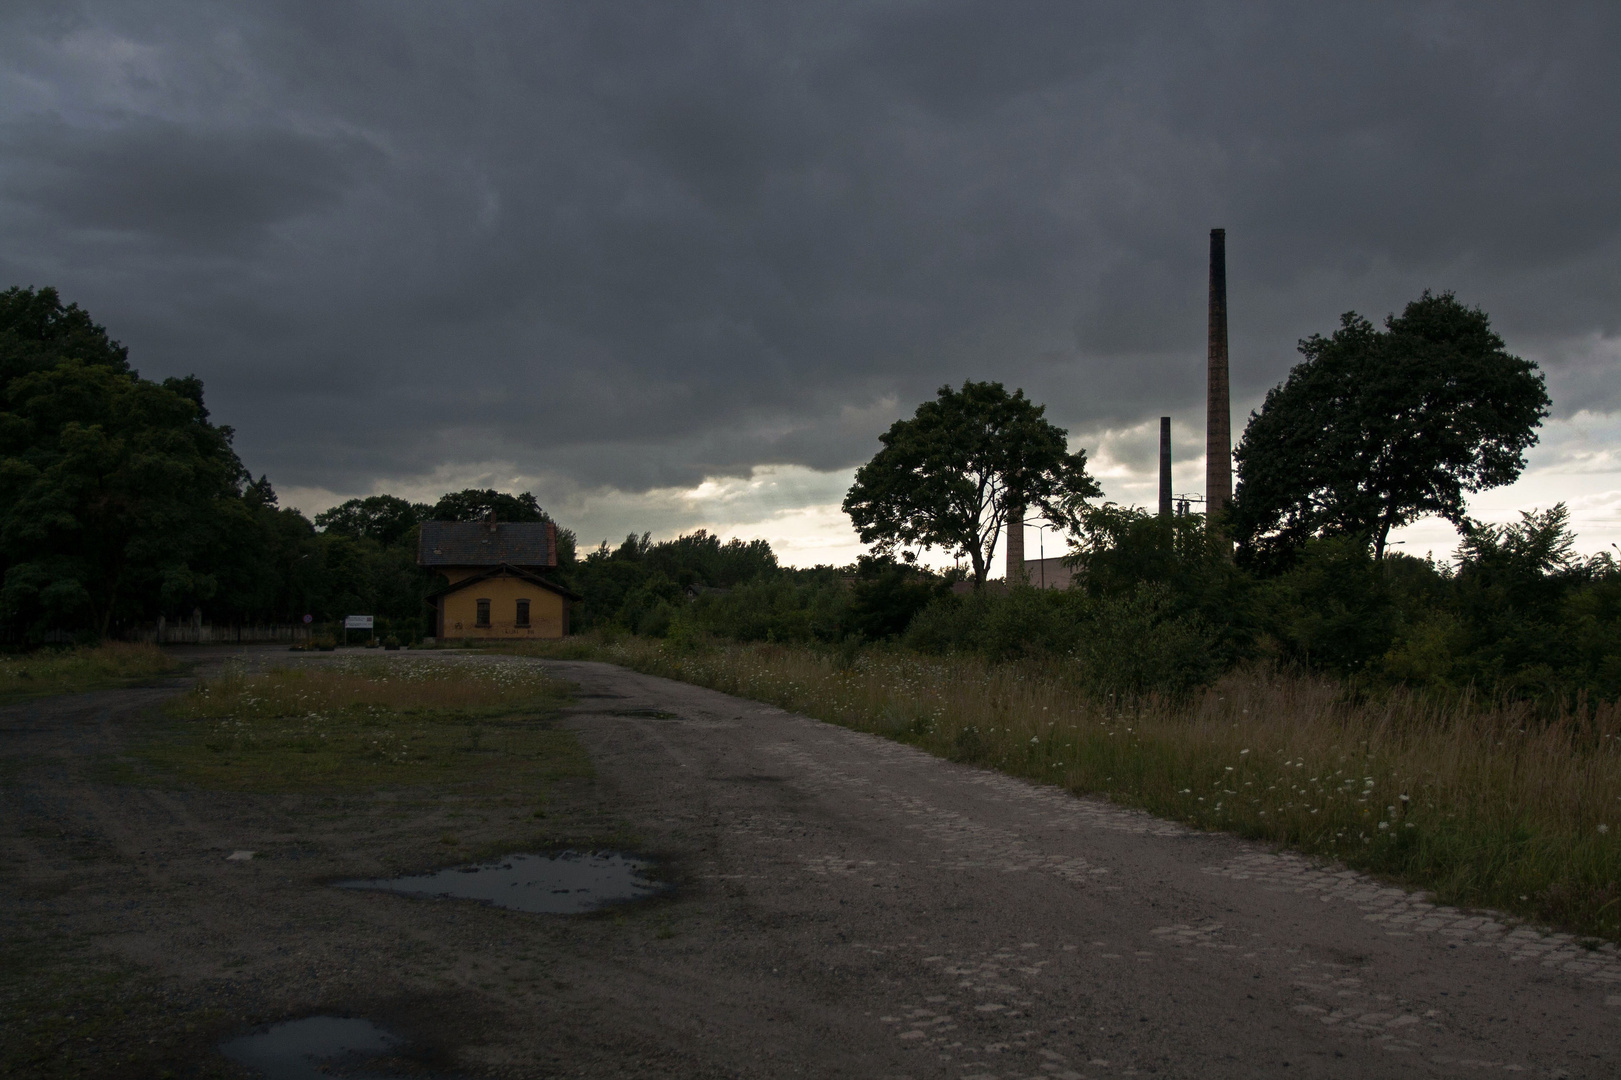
x,y
523,613
483,613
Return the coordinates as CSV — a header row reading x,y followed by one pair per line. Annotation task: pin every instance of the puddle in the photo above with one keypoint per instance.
x,y
311,1048
567,883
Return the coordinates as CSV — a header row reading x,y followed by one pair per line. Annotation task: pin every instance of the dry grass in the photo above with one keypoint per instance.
x,y
1485,805
369,723
73,671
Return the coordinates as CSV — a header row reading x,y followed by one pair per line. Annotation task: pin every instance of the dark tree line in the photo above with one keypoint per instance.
x,y
1374,429
122,501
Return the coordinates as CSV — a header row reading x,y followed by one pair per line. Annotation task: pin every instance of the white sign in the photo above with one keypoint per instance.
x,y
357,622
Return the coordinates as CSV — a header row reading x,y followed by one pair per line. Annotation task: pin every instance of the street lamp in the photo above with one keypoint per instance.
x,y
1041,545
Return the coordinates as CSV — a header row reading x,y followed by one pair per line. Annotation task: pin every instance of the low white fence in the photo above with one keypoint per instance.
x,y
196,633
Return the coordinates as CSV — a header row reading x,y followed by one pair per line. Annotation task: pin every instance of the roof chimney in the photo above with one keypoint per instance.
x,y
1218,464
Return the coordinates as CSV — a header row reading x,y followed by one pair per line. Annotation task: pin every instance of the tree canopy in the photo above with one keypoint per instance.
x,y
386,519
1377,428
950,476
475,504
37,332
120,502
110,484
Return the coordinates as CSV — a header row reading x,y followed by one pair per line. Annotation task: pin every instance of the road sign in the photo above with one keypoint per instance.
x,y
308,619
357,622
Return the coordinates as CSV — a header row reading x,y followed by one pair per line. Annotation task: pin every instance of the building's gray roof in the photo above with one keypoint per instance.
x,y
474,580
480,543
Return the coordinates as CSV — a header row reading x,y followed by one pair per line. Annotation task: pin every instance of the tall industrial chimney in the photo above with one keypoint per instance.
x,y
1218,462
1015,544
1165,467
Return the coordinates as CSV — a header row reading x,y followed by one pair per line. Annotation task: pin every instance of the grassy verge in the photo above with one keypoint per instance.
x,y
1484,805
69,671
458,725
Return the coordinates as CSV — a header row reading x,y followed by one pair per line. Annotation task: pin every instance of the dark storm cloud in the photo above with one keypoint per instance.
x,y
635,245
162,180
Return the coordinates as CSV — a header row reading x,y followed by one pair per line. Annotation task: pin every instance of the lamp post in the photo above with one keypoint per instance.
x,y
1041,545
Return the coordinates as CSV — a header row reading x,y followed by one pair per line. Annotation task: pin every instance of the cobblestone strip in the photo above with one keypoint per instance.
x,y
961,842
1403,914
988,1017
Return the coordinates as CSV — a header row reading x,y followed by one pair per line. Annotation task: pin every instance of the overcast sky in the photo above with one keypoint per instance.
x,y
678,264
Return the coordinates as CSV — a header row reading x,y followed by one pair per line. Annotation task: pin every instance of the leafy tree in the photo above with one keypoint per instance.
x,y
1377,428
119,500
887,595
110,487
950,476
37,332
475,504
1119,547
789,606
700,558
1126,552
386,519
623,585
1334,607
1509,594
268,561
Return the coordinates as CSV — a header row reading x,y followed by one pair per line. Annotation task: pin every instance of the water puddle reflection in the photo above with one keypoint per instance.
x,y
310,1049
565,883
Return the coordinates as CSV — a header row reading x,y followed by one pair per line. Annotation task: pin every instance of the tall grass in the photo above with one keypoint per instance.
x,y
67,671
1484,804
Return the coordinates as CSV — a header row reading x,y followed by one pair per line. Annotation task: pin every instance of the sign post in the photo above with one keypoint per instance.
x,y
355,622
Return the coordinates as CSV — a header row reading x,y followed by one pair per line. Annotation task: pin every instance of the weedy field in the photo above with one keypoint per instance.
x,y
69,671
1485,804
462,722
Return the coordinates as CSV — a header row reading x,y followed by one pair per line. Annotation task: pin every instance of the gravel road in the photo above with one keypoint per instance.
x,y
845,906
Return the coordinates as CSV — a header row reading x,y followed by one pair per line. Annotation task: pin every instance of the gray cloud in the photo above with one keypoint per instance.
x,y
633,245
161,180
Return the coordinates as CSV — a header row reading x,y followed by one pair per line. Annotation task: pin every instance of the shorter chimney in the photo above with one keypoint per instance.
x,y
1165,467
1015,544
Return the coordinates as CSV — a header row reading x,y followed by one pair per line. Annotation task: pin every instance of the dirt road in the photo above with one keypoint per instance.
x,y
845,906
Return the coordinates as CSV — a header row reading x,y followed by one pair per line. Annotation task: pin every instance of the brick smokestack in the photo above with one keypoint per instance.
x,y
1218,468
1015,544
1165,467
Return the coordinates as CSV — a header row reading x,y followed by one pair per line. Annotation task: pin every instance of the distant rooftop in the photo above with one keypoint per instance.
x,y
486,543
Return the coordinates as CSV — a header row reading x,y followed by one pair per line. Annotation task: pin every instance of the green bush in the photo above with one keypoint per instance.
x,y
1142,643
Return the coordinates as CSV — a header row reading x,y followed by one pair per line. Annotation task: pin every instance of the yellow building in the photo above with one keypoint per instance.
x,y
495,586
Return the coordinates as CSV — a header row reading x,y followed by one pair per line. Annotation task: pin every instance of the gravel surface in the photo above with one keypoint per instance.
x,y
843,906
